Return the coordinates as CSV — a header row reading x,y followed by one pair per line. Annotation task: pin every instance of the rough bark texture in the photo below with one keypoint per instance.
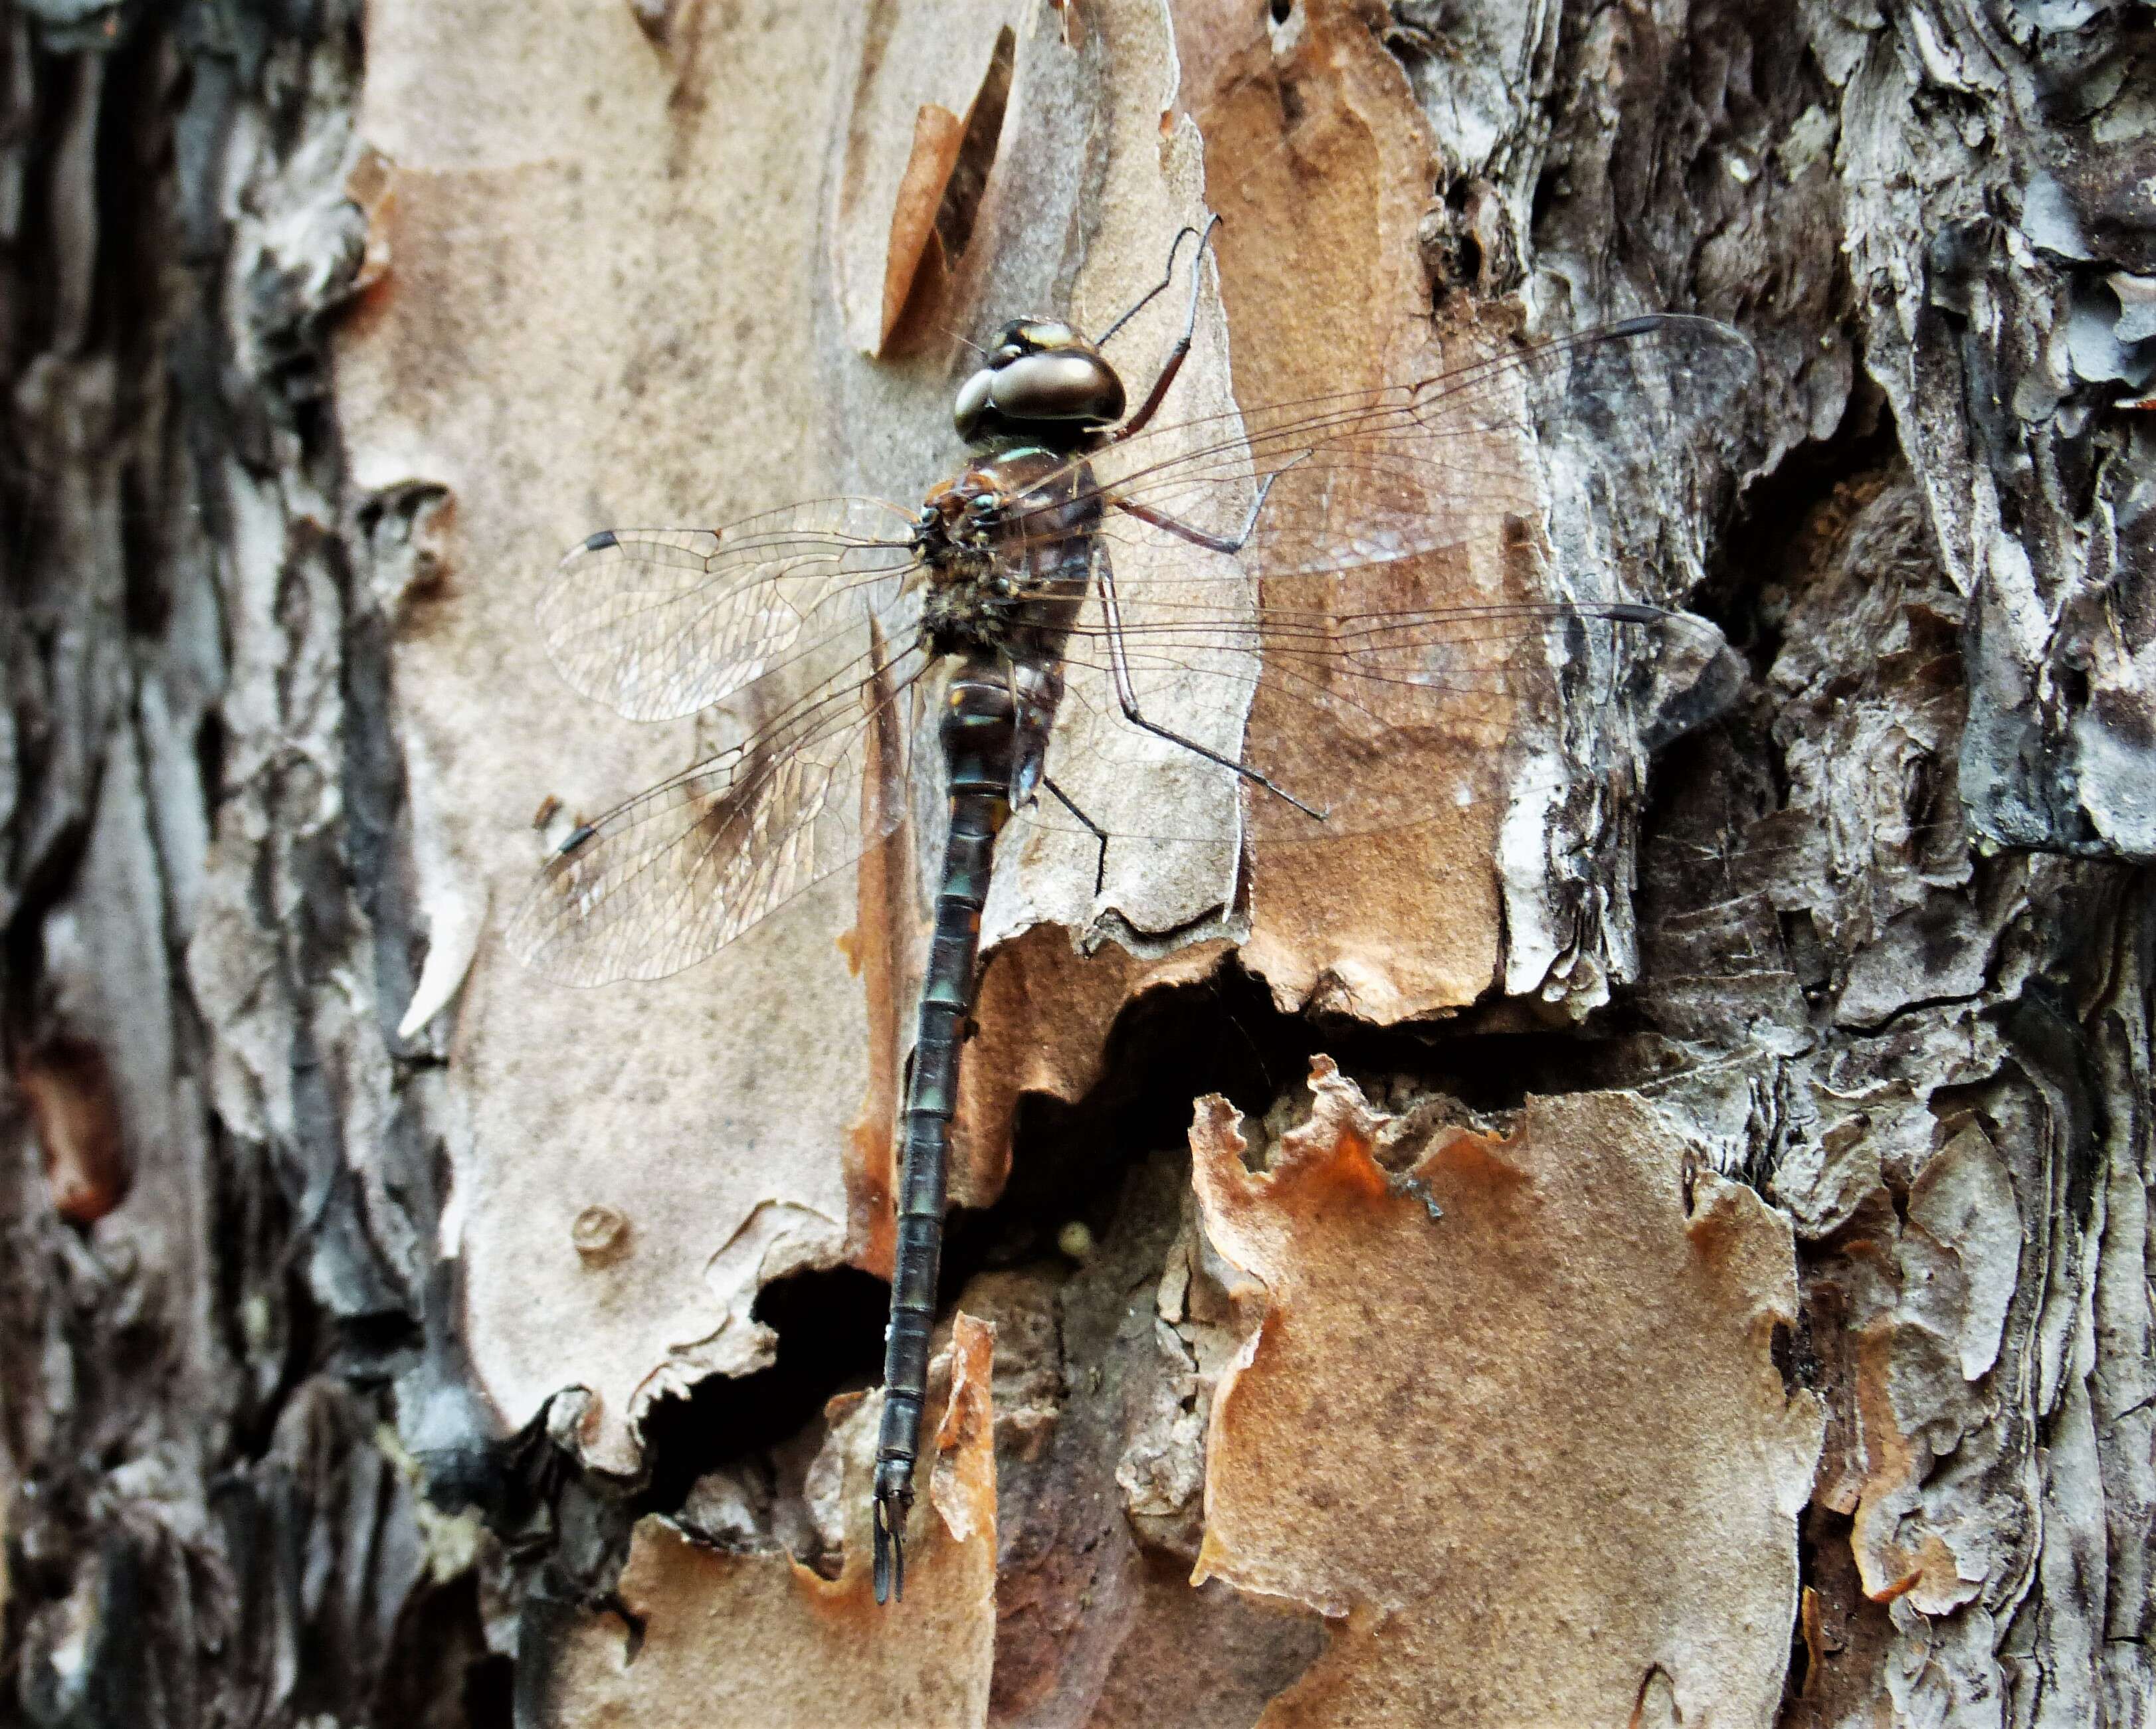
x,y
1722,1292
221,1170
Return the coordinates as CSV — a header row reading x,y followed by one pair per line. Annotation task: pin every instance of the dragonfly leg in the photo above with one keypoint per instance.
x,y
1150,405
1099,833
1159,288
1254,777
1197,536
1127,696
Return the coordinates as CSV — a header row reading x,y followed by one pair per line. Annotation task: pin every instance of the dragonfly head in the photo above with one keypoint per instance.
x,y
1043,381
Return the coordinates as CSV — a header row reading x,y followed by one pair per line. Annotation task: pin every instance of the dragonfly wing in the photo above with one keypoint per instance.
x,y
660,623
1321,593
1471,688
668,878
1368,478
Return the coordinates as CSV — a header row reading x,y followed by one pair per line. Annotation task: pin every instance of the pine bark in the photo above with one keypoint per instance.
x,y
384,1337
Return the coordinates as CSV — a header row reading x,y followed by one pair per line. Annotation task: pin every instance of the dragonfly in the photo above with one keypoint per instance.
x,y
1286,545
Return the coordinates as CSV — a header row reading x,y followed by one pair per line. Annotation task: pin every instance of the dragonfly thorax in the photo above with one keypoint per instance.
x,y
1005,544
963,610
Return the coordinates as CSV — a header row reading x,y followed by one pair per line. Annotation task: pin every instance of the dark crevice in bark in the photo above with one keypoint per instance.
x,y
1761,553
830,1323
374,841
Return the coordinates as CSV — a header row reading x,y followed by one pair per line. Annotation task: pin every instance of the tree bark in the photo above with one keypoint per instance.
x,y
1666,1242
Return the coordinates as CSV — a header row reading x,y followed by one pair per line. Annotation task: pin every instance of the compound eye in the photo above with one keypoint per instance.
x,y
1058,386
972,403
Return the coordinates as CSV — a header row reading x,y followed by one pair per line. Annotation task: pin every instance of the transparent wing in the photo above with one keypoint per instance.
x,y
1369,478
1396,721
660,623
666,879
1366,698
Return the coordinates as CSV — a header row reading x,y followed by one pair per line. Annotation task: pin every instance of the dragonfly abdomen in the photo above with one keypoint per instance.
x,y
980,738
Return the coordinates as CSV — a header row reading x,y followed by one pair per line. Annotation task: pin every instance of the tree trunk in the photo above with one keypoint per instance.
x,y
1665,1241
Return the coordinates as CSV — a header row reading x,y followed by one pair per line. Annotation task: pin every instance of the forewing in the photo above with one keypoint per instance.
x,y
1321,593
1368,478
660,623
668,879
